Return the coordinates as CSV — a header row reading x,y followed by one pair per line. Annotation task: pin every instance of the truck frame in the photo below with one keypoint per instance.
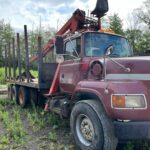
x,y
96,82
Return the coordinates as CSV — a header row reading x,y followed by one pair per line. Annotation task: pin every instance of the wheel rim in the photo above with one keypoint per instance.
x,y
84,129
21,97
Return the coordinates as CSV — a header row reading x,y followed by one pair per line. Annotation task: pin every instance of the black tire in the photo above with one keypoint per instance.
x,y
16,94
91,128
23,97
33,97
13,93
15,90
10,92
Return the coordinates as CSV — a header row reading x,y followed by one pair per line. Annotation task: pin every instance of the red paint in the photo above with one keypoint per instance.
x,y
55,84
71,74
71,26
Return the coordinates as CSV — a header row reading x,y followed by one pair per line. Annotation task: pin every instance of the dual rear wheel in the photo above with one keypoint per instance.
x,y
22,95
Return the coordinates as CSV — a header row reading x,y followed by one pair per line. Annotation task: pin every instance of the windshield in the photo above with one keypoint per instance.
x,y
97,43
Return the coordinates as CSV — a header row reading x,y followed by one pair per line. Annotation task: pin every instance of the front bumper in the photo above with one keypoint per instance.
x,y
132,130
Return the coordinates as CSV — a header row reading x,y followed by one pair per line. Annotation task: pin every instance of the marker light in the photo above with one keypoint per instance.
x,y
128,101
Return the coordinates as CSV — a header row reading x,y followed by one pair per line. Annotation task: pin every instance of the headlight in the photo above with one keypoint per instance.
x,y
129,101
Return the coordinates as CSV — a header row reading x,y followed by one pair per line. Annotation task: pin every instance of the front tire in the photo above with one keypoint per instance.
x,y
91,128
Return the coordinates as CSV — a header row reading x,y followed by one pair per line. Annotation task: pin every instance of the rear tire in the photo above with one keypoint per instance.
x,y
33,97
13,93
10,92
23,97
91,128
15,90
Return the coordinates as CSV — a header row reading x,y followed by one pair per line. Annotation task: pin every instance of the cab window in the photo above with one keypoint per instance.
x,y
96,44
72,49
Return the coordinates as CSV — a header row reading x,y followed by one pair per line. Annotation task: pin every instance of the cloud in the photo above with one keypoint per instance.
x,y
65,9
53,2
36,9
55,12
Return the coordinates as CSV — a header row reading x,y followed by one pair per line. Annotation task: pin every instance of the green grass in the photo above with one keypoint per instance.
x,y
12,124
2,74
17,134
19,125
34,73
3,86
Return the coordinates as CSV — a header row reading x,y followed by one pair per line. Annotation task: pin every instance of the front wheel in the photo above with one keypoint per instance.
x,y
91,128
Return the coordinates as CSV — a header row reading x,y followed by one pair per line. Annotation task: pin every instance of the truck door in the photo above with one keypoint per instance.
x,y
70,68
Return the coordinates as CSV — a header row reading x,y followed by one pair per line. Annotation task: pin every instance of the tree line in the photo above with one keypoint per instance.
x,y
7,33
137,31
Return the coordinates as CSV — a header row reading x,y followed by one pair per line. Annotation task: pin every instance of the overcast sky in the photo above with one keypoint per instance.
x,y
53,12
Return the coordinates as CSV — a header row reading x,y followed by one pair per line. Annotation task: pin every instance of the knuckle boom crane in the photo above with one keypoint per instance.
x,y
78,23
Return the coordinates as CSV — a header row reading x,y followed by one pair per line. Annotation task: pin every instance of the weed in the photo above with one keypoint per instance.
x,y
4,140
42,146
53,120
12,124
53,146
15,136
52,136
36,122
129,146
3,147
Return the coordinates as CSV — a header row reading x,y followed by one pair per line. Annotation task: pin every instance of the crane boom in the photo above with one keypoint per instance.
x,y
78,22
75,23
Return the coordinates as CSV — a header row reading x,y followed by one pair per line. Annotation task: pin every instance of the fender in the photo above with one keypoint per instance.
x,y
92,92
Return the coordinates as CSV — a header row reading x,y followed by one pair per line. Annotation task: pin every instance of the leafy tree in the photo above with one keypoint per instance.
x,y
46,34
136,32
144,42
134,36
116,24
143,13
139,40
133,32
6,33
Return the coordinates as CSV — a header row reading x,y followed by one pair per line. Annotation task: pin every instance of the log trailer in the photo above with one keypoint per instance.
x,y
96,82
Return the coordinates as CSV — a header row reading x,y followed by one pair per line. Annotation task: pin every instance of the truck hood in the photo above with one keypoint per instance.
x,y
139,68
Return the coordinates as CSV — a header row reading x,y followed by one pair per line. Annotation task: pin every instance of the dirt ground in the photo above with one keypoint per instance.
x,y
42,131
36,130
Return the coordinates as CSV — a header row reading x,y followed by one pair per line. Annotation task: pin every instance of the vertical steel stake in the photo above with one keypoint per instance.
x,y
40,61
19,56
14,58
9,60
27,52
6,63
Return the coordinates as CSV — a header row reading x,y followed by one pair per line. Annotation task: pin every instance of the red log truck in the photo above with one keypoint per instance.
x,y
96,82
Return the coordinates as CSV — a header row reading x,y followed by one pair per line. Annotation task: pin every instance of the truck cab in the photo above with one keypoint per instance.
x,y
82,50
103,77
97,82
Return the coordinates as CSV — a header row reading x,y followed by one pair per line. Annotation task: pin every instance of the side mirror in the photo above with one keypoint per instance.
x,y
59,45
109,50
